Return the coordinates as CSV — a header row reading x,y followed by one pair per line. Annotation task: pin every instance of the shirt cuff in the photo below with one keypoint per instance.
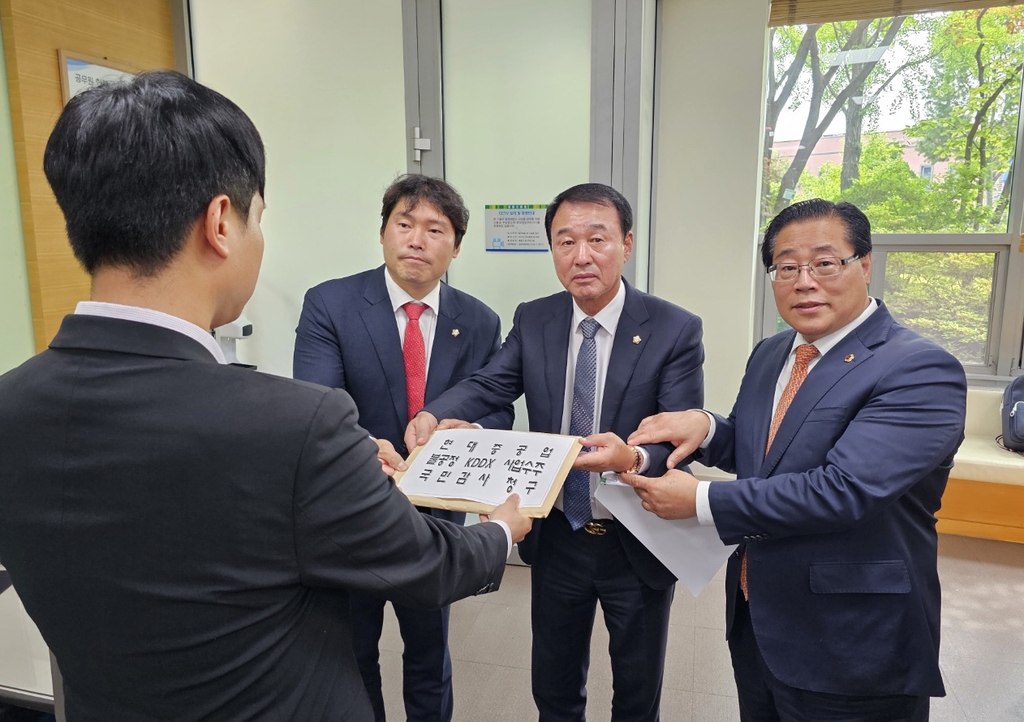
x,y
704,504
645,460
508,534
707,439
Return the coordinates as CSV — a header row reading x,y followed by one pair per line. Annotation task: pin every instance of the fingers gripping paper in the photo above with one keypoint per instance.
x,y
476,469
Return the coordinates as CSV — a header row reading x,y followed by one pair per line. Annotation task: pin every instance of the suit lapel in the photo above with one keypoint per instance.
x,y
626,351
556,354
828,372
449,343
379,319
765,396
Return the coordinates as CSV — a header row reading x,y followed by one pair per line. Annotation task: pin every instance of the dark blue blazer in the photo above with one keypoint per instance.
x,y
839,519
662,371
347,338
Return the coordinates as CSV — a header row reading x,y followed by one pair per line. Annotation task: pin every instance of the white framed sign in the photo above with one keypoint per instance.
x,y
80,72
512,228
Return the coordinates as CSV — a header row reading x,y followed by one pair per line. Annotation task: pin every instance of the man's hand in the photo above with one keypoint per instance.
x,y
686,430
610,453
454,424
508,512
390,460
672,496
419,430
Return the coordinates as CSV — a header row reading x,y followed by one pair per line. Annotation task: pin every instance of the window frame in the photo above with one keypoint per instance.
x,y
1006,320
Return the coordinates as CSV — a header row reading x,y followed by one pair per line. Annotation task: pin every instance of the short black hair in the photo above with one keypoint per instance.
x,y
597,193
135,164
413,188
858,227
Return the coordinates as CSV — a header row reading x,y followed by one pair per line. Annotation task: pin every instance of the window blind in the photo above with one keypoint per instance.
x,y
799,12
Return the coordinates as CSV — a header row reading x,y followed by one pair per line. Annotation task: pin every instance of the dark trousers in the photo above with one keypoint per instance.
x,y
763,698
426,664
574,571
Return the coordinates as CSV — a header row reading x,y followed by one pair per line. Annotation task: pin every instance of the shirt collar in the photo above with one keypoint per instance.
x,y
607,317
399,297
826,343
153,318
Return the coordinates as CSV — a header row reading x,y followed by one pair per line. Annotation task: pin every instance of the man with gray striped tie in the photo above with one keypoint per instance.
x,y
592,361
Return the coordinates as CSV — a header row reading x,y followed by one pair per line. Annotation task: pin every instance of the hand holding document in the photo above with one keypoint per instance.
x,y
686,430
390,460
672,496
518,525
605,452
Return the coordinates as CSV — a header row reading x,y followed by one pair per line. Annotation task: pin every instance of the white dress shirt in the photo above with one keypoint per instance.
x,y
153,318
428,321
608,320
824,345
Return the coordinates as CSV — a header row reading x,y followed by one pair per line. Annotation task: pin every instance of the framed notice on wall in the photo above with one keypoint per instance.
x,y
80,72
515,228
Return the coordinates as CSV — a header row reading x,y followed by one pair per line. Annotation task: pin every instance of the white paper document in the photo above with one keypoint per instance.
x,y
692,552
486,465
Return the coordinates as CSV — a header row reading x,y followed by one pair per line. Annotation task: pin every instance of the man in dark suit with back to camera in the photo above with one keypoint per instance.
x,y
842,438
394,337
598,357
185,533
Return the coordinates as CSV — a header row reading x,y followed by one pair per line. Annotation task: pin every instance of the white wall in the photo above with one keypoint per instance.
x,y
324,82
707,176
517,128
17,340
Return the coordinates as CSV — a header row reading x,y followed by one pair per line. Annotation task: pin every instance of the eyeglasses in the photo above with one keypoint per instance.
x,y
819,268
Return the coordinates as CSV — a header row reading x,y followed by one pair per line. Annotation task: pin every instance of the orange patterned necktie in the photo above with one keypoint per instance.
x,y
804,353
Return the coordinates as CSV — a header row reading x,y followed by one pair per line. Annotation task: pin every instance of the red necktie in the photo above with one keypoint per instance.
x,y
804,353
415,354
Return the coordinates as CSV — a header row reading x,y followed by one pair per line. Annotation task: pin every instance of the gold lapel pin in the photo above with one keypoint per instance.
x,y
849,358
455,332
636,340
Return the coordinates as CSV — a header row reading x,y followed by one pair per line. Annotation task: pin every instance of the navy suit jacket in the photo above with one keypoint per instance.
x,y
661,372
838,520
347,338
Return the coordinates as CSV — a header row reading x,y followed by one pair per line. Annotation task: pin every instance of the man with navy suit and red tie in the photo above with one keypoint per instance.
x,y
842,438
395,338
592,361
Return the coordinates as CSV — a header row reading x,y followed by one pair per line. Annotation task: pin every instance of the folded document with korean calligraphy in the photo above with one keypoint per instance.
x,y
474,470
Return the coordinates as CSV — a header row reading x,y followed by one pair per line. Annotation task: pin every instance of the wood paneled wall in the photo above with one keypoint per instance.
x,y
134,33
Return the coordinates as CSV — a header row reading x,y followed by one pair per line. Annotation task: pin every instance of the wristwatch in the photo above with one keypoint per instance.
x,y
638,460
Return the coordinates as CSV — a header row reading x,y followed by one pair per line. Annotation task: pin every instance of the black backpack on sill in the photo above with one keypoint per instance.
x,y
1012,410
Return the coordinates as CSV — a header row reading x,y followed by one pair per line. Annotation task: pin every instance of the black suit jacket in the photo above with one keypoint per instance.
x,y
184,533
656,365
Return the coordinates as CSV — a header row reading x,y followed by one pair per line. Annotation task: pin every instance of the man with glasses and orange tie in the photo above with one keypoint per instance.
x,y
841,438
395,338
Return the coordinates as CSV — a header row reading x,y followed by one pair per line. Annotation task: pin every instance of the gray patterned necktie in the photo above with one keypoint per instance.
x,y
576,496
